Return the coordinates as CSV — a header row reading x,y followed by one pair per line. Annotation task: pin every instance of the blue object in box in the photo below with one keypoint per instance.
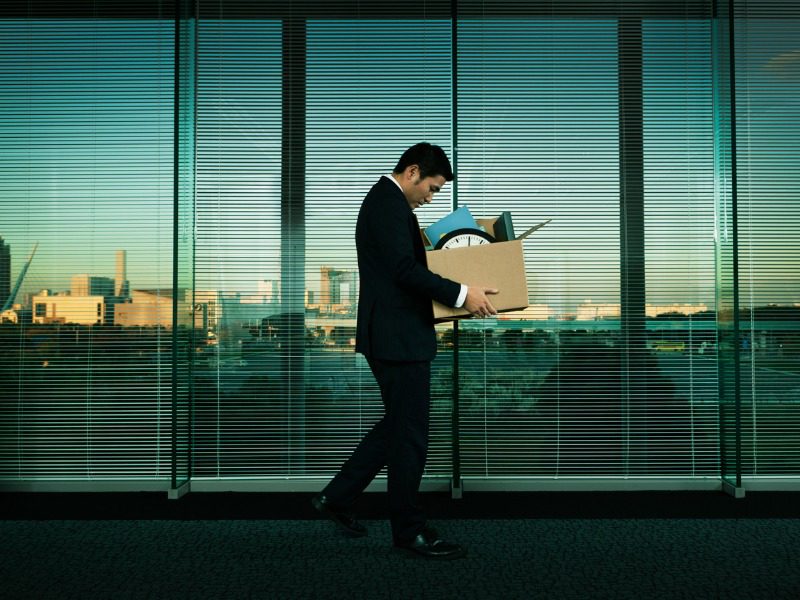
x,y
460,218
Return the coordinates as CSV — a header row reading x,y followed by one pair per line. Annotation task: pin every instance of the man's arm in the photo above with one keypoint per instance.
x,y
396,248
390,235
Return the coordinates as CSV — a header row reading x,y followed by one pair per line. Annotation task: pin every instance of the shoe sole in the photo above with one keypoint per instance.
x,y
412,554
343,528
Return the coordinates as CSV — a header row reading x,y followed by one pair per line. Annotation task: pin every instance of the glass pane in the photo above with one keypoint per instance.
x,y
768,159
678,432
362,115
241,416
538,136
725,252
86,182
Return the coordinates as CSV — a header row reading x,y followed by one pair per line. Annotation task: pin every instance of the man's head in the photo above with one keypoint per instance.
x,y
421,172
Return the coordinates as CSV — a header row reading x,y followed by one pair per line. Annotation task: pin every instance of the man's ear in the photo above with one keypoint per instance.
x,y
413,171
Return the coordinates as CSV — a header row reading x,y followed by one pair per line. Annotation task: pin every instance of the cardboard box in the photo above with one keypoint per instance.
x,y
499,265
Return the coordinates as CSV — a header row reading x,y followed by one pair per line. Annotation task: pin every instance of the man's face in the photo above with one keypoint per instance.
x,y
420,191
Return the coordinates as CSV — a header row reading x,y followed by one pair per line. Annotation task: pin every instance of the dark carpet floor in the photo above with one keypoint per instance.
x,y
71,551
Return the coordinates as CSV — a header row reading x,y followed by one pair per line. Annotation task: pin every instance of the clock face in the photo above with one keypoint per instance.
x,y
463,238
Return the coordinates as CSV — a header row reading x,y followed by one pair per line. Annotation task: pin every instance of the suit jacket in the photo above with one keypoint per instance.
x,y
395,317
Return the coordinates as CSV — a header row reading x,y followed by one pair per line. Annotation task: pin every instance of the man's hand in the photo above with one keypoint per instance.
x,y
477,303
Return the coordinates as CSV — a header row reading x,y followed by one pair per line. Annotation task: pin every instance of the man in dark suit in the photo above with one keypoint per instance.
x,y
395,333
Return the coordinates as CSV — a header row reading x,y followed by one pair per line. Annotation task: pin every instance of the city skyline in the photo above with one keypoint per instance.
x,y
267,291
337,287
81,189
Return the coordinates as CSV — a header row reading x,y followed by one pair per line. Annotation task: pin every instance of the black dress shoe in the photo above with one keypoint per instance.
x,y
343,519
427,544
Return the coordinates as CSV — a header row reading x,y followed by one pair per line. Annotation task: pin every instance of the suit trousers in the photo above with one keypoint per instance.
x,y
399,441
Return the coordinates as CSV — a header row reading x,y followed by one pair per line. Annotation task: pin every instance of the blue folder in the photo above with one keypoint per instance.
x,y
460,218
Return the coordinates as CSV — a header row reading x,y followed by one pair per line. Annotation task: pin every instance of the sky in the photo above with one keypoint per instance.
x,y
86,147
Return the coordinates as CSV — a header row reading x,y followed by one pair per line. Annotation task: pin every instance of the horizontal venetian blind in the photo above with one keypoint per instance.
x,y
86,152
768,161
375,86
678,429
274,395
566,387
243,422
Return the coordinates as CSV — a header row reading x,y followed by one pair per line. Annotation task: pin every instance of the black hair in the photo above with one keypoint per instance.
x,y
431,159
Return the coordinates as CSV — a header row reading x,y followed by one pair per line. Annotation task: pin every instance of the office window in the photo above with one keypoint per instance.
x,y
538,136
682,416
375,87
767,117
611,120
86,186
241,425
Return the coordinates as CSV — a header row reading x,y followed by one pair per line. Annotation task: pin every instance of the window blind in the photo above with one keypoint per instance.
x,y
375,87
767,65
682,417
598,115
564,116
263,241
242,418
86,181
538,137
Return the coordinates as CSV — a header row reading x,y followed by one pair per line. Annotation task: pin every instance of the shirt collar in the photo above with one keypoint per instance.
x,y
394,181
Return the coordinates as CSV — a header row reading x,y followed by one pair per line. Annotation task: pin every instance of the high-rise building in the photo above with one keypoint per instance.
x,y
268,292
5,271
338,286
91,285
121,289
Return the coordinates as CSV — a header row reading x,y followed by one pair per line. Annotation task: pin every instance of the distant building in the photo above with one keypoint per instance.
x,y
208,307
535,312
337,286
150,308
82,310
91,285
588,311
653,310
121,282
16,315
338,292
27,297
268,292
5,271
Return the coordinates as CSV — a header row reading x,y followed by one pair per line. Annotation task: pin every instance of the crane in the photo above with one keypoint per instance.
x,y
18,284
